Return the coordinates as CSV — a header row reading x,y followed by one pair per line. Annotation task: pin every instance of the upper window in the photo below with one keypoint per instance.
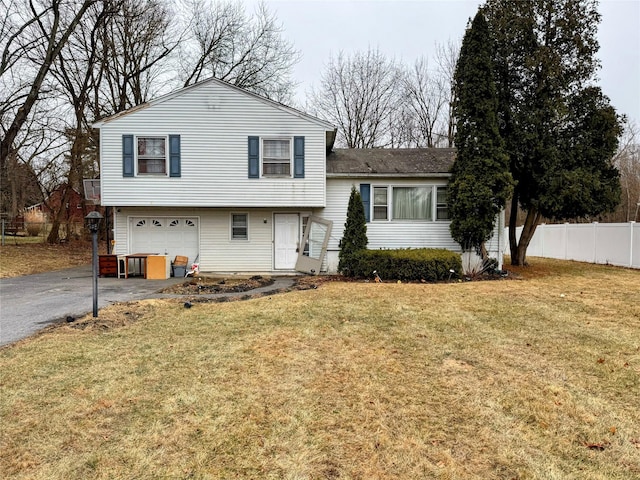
x,y
276,158
152,158
239,226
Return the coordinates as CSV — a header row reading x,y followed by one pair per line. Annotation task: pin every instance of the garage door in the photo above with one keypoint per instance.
x,y
165,235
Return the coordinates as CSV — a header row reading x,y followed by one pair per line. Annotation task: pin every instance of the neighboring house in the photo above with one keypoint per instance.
x,y
71,211
215,172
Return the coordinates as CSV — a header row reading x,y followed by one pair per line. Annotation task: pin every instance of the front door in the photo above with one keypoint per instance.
x,y
286,238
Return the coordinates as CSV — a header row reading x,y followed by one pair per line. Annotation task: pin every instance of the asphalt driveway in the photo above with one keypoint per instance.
x,y
30,302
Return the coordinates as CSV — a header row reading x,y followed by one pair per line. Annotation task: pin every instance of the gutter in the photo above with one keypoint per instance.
x,y
394,175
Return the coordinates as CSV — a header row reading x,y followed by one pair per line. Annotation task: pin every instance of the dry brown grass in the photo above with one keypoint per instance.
x,y
27,258
531,379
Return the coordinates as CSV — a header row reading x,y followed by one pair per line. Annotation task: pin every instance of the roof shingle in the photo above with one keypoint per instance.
x,y
390,161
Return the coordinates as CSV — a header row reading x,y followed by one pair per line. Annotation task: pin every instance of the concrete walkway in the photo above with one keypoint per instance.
x,y
31,302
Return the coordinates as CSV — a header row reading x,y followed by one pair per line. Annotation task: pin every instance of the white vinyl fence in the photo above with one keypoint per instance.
x,y
607,243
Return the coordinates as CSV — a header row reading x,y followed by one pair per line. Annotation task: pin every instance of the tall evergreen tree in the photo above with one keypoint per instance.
x,y
481,183
560,137
354,238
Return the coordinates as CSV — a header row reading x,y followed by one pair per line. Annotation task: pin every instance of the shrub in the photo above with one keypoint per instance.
x,y
424,264
354,238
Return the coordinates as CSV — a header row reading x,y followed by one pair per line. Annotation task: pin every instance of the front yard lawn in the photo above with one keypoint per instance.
x,y
537,378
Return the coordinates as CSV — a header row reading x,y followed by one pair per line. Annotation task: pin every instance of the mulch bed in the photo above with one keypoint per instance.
x,y
208,285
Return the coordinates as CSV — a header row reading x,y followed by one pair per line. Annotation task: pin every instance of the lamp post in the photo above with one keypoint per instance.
x,y
93,224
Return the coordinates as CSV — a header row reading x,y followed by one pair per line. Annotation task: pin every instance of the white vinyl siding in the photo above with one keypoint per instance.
x,y
218,251
214,122
385,234
395,234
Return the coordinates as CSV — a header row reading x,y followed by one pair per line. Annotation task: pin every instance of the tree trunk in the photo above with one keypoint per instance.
x,y
12,174
513,218
54,234
529,228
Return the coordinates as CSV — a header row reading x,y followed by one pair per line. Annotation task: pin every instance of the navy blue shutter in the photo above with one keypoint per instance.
x,y
128,169
254,157
365,193
174,155
298,157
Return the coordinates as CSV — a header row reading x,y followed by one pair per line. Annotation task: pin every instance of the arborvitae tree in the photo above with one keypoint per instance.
x,y
354,238
481,183
560,137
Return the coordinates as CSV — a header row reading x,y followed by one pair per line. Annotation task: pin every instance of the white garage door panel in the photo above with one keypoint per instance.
x,y
170,235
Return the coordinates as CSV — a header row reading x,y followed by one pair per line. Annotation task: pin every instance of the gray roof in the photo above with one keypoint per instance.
x,y
397,162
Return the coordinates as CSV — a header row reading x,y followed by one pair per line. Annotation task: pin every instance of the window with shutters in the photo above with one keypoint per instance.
x,y
152,155
276,157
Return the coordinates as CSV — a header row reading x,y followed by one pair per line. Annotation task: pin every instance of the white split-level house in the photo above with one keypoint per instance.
x,y
235,180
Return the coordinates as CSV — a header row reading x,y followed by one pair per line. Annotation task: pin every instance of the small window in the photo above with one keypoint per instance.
x,y
239,226
442,200
152,157
276,158
380,203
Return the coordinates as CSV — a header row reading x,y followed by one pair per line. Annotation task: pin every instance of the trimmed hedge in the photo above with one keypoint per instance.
x,y
428,264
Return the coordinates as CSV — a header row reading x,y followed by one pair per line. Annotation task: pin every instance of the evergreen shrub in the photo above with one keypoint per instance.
x,y
355,233
422,264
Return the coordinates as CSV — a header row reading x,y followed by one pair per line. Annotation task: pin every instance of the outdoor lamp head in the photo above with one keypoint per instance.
x,y
93,220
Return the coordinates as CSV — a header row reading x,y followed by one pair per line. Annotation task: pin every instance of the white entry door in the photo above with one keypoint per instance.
x,y
286,237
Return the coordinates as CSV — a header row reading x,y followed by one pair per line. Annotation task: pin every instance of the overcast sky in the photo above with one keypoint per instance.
x,y
407,29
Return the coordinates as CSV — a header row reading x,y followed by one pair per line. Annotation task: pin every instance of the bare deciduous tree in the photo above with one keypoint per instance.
x,y
76,70
35,32
247,51
446,58
426,94
135,44
359,94
627,161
